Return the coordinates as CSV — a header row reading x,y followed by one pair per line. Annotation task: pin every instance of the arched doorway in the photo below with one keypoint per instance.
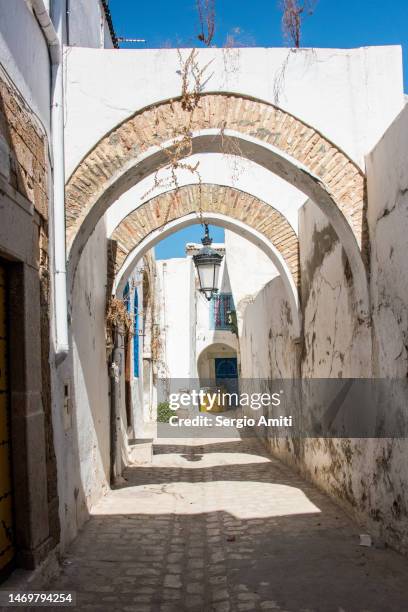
x,y
217,367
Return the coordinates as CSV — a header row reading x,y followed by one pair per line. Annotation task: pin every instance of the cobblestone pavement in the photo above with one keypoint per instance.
x,y
220,526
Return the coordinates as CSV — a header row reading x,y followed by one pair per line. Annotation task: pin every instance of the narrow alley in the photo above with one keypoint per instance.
x,y
202,230
221,526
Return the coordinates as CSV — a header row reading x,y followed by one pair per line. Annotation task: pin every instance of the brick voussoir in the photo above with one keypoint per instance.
x,y
343,180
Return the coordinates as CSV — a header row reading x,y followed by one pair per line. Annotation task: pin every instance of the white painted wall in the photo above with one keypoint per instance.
x,y
387,173
336,344
249,271
219,169
387,178
366,476
24,57
87,24
267,349
83,450
350,95
176,301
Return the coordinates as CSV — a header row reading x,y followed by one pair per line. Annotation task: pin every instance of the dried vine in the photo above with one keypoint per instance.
x,y
206,15
294,12
193,78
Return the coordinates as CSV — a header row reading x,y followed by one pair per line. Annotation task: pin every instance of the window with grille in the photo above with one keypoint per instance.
x,y
221,304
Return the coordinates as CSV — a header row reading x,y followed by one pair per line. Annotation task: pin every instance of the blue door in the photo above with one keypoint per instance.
x,y
226,367
226,375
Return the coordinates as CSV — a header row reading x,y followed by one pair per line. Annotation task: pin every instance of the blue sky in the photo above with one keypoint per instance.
x,y
335,23
174,245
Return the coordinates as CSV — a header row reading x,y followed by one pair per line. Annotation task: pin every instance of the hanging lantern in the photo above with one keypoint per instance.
x,y
208,262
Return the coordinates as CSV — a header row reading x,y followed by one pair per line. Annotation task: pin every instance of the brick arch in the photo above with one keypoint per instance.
x,y
252,129
228,201
228,207
160,123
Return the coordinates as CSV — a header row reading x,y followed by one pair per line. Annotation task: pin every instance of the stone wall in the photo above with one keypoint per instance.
x,y
24,169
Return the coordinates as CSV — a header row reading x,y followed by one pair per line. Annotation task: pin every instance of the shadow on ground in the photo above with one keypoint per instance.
x,y
232,531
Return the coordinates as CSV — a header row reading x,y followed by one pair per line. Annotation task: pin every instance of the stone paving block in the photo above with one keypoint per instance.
x,y
294,550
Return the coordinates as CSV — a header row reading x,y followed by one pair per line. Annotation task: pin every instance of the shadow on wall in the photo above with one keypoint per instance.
x,y
88,475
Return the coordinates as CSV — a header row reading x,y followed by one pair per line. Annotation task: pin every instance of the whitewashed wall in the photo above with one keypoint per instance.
x,y
83,450
87,25
387,178
176,302
267,350
249,270
24,56
366,476
336,345
350,95
387,172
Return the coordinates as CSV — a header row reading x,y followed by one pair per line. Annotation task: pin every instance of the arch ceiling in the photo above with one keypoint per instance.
x,y
217,169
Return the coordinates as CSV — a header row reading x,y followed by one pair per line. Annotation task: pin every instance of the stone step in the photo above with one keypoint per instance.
x,y
140,451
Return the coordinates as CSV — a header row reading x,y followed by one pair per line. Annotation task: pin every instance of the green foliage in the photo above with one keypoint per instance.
x,y
233,322
164,412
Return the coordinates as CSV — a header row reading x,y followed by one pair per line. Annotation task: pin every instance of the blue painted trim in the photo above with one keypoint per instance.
x,y
136,337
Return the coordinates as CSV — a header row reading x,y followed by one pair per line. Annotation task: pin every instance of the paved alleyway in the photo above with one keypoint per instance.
x,y
223,527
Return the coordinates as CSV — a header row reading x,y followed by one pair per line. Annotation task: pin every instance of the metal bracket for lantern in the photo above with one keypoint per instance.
x,y
208,262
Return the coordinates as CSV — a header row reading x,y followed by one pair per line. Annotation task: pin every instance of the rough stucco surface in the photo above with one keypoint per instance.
x,y
325,78
267,350
387,176
388,223
335,343
87,479
366,476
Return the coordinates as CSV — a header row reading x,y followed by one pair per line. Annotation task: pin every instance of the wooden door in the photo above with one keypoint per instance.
x,y
6,492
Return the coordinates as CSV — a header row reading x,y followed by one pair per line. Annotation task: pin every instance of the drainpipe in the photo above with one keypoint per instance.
x,y
54,37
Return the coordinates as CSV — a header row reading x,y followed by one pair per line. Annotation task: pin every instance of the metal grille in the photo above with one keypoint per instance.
x,y
221,304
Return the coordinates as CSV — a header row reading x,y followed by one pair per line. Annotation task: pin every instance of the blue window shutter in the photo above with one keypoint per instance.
x,y
136,337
